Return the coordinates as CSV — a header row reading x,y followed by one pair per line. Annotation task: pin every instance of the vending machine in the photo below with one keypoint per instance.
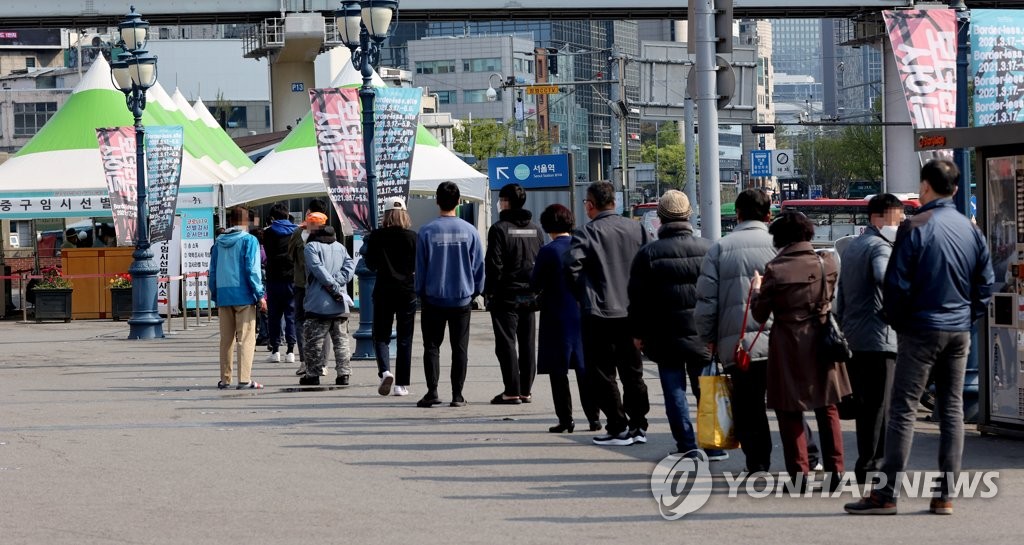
x,y
999,197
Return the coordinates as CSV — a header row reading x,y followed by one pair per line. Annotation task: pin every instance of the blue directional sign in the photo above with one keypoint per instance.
x,y
531,171
760,163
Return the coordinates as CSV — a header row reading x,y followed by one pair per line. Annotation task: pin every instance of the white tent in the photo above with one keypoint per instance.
x,y
293,168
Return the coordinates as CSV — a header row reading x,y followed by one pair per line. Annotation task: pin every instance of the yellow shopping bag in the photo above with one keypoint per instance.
x,y
714,413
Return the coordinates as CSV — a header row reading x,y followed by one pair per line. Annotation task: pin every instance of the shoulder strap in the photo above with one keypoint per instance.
x,y
825,299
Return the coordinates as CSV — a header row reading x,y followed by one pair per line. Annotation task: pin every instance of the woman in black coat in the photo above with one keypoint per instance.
x,y
560,342
391,252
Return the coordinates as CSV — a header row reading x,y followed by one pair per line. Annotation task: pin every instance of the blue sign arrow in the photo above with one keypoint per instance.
x,y
760,163
531,171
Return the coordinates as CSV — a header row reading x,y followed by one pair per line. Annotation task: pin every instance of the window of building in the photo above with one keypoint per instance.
x,y
30,62
436,67
238,116
447,97
476,96
266,117
30,117
481,65
523,66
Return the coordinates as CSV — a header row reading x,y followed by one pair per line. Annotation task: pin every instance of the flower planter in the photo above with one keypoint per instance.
x,y
120,303
53,304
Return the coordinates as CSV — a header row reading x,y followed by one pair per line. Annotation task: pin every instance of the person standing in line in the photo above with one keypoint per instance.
x,y
449,275
329,269
316,215
280,284
236,286
797,292
512,245
560,345
662,296
859,309
938,282
598,264
391,253
722,292
70,239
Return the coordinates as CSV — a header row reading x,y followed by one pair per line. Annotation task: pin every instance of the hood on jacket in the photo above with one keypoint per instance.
x,y
231,236
520,217
675,229
282,227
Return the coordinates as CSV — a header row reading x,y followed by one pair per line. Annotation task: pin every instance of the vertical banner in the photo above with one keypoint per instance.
x,y
924,44
339,142
196,243
163,175
168,292
997,66
117,151
396,115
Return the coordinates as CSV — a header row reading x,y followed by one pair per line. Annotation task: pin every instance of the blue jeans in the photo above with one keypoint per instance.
x,y
281,306
943,354
677,408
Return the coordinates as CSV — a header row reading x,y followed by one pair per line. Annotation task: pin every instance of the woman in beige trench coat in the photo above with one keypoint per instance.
x,y
791,291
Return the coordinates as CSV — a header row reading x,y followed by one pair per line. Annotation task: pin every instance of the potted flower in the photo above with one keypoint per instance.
x,y
121,296
53,296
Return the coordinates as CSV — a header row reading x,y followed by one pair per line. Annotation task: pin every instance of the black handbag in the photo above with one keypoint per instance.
x,y
832,344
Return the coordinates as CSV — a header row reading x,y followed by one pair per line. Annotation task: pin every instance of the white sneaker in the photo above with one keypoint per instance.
x,y
387,380
401,391
289,357
323,371
274,357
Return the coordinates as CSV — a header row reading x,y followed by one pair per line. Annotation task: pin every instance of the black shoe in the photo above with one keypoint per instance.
x,y
429,400
458,401
500,399
342,380
563,427
309,381
526,398
875,504
595,425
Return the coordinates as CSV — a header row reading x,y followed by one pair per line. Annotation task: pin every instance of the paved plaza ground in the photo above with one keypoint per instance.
x,y
104,440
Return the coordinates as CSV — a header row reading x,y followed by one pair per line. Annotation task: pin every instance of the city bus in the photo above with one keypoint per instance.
x,y
837,218
647,214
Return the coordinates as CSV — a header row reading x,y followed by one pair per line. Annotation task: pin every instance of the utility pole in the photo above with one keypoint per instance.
x,y
707,115
691,153
623,135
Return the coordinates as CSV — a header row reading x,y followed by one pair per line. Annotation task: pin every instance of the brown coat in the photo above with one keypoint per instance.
x,y
791,291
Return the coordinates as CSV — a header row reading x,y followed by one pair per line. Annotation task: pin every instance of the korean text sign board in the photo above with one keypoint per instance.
x,y
531,172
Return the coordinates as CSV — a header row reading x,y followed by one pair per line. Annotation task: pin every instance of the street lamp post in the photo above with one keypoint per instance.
x,y
133,73
363,26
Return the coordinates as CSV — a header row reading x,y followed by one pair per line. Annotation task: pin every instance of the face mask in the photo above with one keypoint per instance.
x,y
889,232
305,236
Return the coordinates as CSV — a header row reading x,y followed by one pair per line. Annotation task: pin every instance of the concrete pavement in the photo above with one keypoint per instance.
x,y
104,440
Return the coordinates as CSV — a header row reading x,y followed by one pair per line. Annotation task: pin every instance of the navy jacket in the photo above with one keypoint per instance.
x,y
940,275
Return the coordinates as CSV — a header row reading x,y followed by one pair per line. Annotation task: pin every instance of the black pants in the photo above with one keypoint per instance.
x,y
433,321
512,329
300,317
871,375
608,348
563,399
385,313
750,415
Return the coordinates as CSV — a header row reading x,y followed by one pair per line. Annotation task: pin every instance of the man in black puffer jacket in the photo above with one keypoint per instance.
x,y
512,246
662,298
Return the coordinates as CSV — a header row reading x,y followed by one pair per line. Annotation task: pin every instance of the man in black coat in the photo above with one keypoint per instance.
x,y
662,298
512,246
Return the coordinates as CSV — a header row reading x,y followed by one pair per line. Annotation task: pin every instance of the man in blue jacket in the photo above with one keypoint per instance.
x,y
236,286
939,280
449,275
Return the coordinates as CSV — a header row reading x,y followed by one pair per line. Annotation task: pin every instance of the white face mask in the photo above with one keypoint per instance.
x,y
304,235
889,232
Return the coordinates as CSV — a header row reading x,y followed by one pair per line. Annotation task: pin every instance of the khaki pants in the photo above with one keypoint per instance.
x,y
237,324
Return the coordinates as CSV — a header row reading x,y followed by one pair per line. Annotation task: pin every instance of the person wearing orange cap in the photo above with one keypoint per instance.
x,y
296,250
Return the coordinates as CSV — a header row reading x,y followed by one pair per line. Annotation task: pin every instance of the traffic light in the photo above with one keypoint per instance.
x,y
552,61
